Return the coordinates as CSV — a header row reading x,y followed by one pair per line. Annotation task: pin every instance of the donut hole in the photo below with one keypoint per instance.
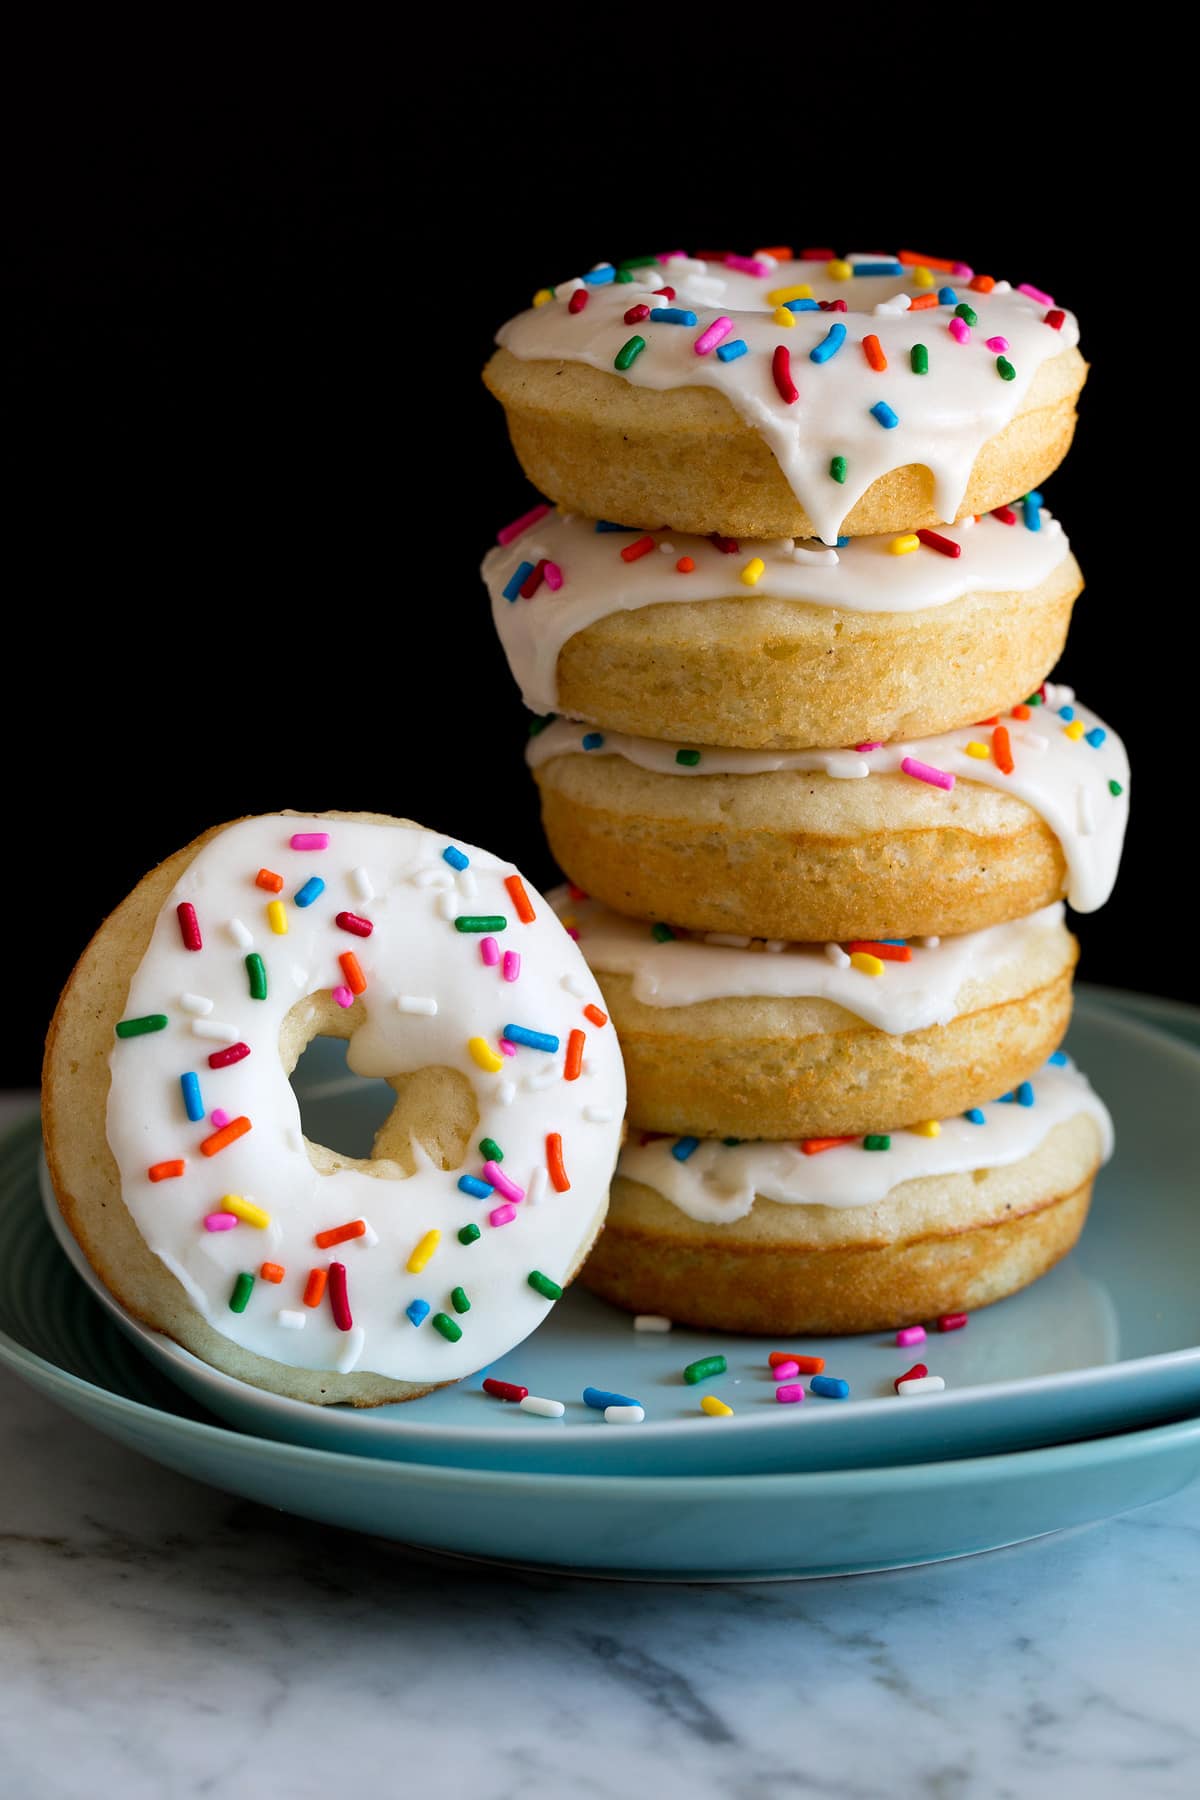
x,y
383,1127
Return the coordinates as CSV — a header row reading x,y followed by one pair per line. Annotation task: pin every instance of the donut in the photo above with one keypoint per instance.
x,y
729,1037
774,397
929,836
764,1238
175,1140
767,646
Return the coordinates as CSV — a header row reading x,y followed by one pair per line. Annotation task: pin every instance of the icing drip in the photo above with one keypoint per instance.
x,y
942,417
1065,779
429,988
907,997
718,1183
861,576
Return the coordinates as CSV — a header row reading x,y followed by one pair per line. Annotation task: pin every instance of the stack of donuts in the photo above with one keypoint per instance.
x,y
785,621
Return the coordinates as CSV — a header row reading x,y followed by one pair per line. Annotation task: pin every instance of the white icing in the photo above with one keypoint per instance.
x,y
410,949
1050,773
718,1183
863,576
945,416
908,996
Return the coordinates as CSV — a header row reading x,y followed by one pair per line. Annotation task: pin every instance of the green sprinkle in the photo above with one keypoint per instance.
x,y
468,1234
637,262
689,758
445,1324
1115,789
662,934
139,1027
837,468
700,1371
542,1284
458,1300
256,970
539,723
963,311
918,358
629,353
243,1287
623,275
877,1141
1005,369
1034,700
489,1148
480,922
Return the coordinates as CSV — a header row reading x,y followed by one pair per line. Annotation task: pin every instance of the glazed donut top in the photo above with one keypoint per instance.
x,y
718,1182
576,572
448,961
912,987
917,364
1054,754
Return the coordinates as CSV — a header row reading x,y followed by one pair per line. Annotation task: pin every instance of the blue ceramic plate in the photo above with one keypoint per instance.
x,y
1106,1342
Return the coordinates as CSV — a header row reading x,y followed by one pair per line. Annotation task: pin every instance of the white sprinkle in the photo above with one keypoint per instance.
x,y
774,945
541,1078
920,1384
448,905
299,975
837,956
240,934
731,939
369,1238
624,1415
545,1409
355,1339
506,1092
575,986
597,1115
195,1003
929,943
291,1321
215,1028
417,1003
651,1322
535,1187
360,881
899,303
667,549
468,887
1033,740
1003,287
1087,816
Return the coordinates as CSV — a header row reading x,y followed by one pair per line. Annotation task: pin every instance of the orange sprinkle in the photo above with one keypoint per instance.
x,y
987,721
1002,751
911,258
885,952
873,351
685,565
574,1061
554,1162
273,1272
595,1015
781,253
809,1365
356,981
520,899
814,1146
314,1287
325,1240
982,284
164,1171
1022,711
228,1134
267,878
922,302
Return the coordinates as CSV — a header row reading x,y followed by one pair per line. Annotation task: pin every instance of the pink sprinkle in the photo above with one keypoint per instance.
x,y
573,932
963,271
343,996
339,1299
785,1370
998,344
1025,287
507,1048
863,748
189,926
492,1172
714,335
221,1118
310,840
922,771
554,577
911,1334
489,949
512,964
219,1221
502,1215
514,530
788,1396
960,331
665,256
749,265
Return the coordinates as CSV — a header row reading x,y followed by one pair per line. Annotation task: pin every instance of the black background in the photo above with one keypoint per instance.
x,y
250,469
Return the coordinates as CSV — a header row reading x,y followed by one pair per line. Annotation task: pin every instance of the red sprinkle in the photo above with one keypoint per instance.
x,y
232,1053
817,255
273,1272
339,1234
914,1374
573,1066
189,926
504,1390
314,1288
873,351
352,923
228,1134
727,546
1054,318
595,1015
814,1146
1005,514
933,540
522,905
576,893
636,314
634,552
339,1298
267,878
885,952
351,968
533,581
166,1171
952,1321
578,300
1002,750
668,293
781,369
554,1162
832,305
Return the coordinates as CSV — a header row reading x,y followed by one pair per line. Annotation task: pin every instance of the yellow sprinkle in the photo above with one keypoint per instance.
x,y
716,1409
542,295
277,918
975,748
922,277
484,1055
423,1252
246,1211
904,546
930,1128
753,571
778,296
1074,730
784,317
838,270
870,965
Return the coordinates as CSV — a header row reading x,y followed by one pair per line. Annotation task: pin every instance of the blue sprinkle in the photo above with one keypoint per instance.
x,y
417,1311
592,740
312,890
803,305
842,542
829,346
883,413
517,581
1009,1099
471,1184
533,1040
683,1148
877,268
1096,736
731,351
1058,1060
1033,498
1032,512
600,1398
672,315
1025,1094
830,1387
900,941
1067,713
454,856
193,1105
947,297
974,1117
601,277
607,525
